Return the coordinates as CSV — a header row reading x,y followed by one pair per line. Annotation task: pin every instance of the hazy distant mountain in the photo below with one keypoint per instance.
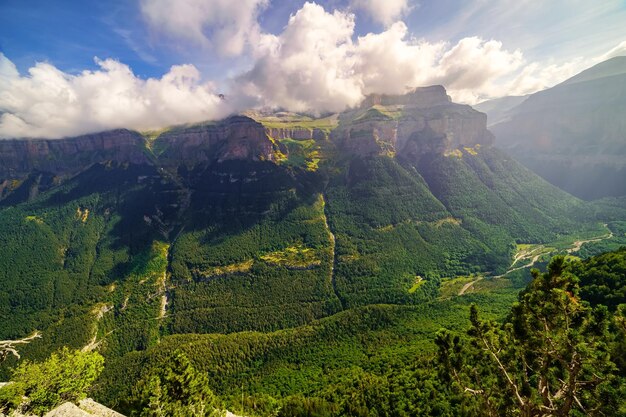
x,y
498,110
574,134
608,68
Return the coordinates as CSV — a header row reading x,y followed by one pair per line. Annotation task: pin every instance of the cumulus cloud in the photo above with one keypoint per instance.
x,y
383,11
226,25
51,103
391,62
310,66
535,77
315,65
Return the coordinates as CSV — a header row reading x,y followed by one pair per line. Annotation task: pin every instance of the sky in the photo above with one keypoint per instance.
x,y
71,67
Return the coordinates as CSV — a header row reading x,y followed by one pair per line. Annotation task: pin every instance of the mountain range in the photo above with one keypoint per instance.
x,y
122,241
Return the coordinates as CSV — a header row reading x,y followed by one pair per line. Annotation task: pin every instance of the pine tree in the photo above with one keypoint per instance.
x,y
550,359
178,390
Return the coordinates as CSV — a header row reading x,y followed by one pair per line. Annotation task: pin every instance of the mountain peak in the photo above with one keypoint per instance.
x,y
423,121
573,134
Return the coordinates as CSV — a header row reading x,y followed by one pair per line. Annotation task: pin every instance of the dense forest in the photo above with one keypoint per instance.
x,y
558,351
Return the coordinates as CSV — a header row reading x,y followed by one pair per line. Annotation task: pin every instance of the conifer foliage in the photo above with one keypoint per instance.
x,y
177,390
551,357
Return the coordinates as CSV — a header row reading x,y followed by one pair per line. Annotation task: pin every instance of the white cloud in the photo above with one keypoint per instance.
x,y
227,25
314,64
51,103
383,11
473,63
310,66
388,62
536,77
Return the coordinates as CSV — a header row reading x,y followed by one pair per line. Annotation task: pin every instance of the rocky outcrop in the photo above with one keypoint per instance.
x,y
85,408
96,409
279,133
68,410
236,138
35,165
423,121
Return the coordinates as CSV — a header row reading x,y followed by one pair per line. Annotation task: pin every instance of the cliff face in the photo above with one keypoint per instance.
x,y
237,137
573,134
423,121
295,133
422,97
234,138
61,156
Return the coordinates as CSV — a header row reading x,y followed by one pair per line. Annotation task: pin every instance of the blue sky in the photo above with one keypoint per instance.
x,y
478,49
69,33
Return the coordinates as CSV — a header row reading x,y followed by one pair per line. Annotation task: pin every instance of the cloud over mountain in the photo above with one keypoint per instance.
x,y
51,103
317,63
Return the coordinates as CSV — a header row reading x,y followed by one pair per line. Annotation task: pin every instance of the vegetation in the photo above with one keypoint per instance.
x,y
550,358
66,376
294,121
603,279
379,360
177,390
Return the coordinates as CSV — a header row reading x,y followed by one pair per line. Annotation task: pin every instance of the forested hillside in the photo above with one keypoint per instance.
x,y
387,360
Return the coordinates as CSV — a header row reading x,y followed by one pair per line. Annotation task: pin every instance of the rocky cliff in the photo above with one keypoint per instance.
x,y
19,157
85,408
423,121
41,163
573,134
421,97
238,137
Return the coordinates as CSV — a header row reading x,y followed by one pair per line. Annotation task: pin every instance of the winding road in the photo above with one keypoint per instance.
x,y
579,243
525,255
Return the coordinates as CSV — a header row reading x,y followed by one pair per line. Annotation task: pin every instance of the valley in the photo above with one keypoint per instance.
x,y
526,257
281,253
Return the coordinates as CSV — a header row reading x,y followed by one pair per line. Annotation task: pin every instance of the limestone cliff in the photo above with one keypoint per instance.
x,y
237,137
20,157
36,165
423,121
